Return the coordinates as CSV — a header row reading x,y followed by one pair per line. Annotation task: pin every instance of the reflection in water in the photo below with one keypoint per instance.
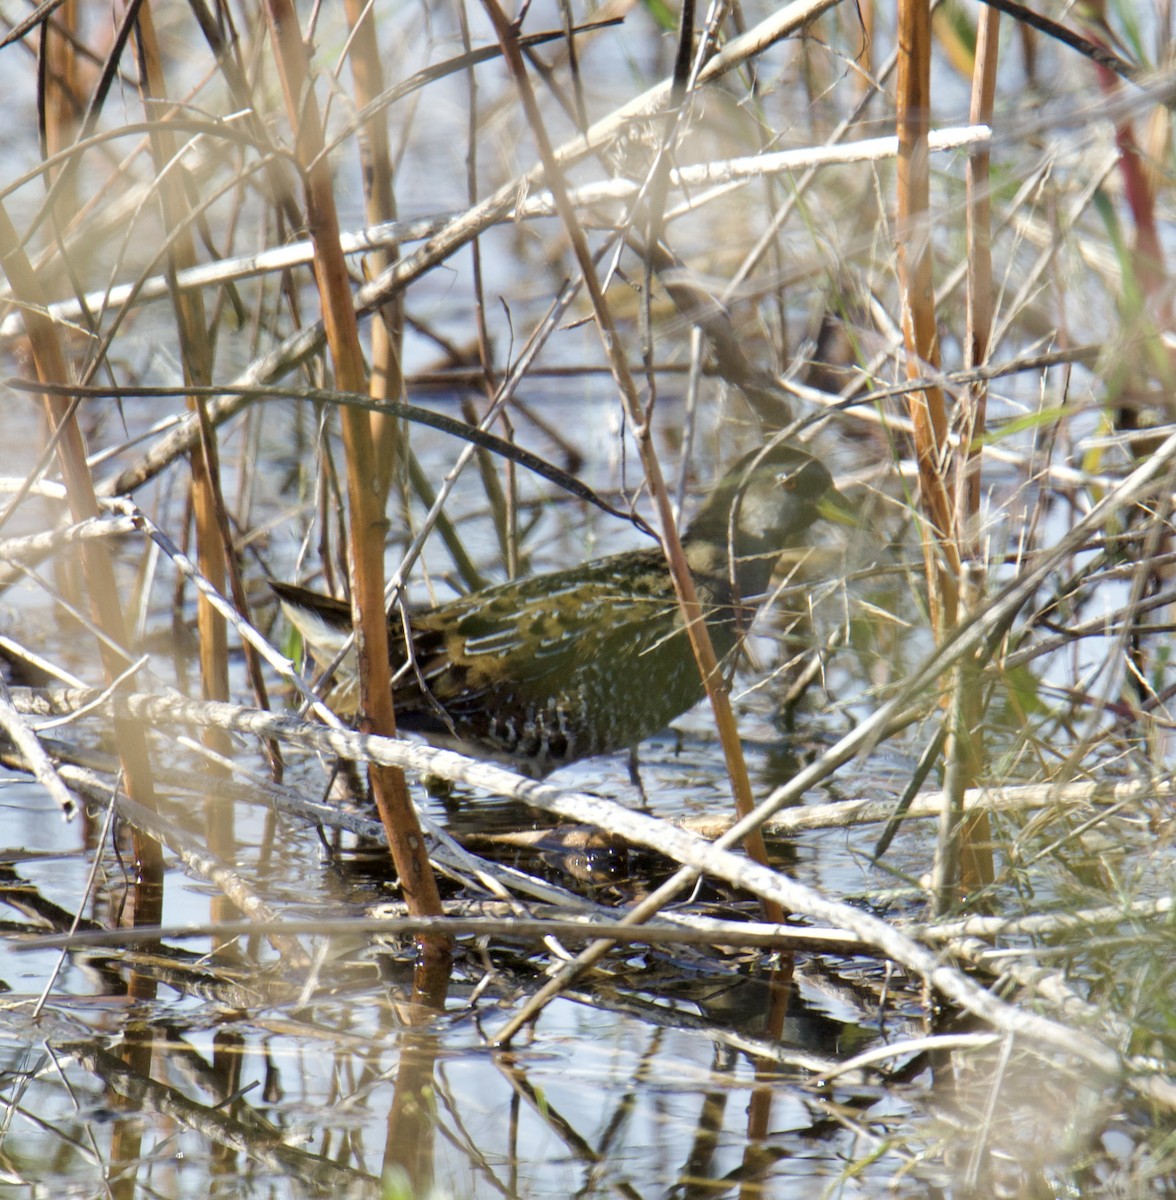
x,y
412,1116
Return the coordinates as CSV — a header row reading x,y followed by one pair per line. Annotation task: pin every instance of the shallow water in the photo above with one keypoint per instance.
x,y
248,1066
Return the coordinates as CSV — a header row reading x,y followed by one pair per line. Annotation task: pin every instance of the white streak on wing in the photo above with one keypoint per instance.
x,y
498,643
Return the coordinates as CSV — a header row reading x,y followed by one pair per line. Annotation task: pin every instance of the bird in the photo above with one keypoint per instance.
x,y
540,672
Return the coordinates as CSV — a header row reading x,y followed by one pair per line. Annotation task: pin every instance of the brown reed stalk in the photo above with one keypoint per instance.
x,y
379,201
207,502
60,105
965,847
377,170
130,739
214,539
59,111
368,524
927,405
196,361
639,421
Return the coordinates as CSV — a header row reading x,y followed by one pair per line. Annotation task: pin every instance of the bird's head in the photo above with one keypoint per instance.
x,y
761,506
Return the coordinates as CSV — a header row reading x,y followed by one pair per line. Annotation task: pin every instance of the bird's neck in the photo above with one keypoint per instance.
x,y
729,579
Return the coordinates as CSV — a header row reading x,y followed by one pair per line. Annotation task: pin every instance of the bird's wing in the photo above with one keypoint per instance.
x,y
538,633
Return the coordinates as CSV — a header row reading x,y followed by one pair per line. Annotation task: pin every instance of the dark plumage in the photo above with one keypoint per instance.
x,y
543,671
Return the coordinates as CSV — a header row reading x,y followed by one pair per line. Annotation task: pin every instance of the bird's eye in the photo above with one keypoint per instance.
x,y
788,482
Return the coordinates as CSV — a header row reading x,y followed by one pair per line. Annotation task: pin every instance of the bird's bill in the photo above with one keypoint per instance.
x,y
834,507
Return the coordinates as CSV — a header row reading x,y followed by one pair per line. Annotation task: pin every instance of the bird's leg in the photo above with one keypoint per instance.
x,y
635,777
